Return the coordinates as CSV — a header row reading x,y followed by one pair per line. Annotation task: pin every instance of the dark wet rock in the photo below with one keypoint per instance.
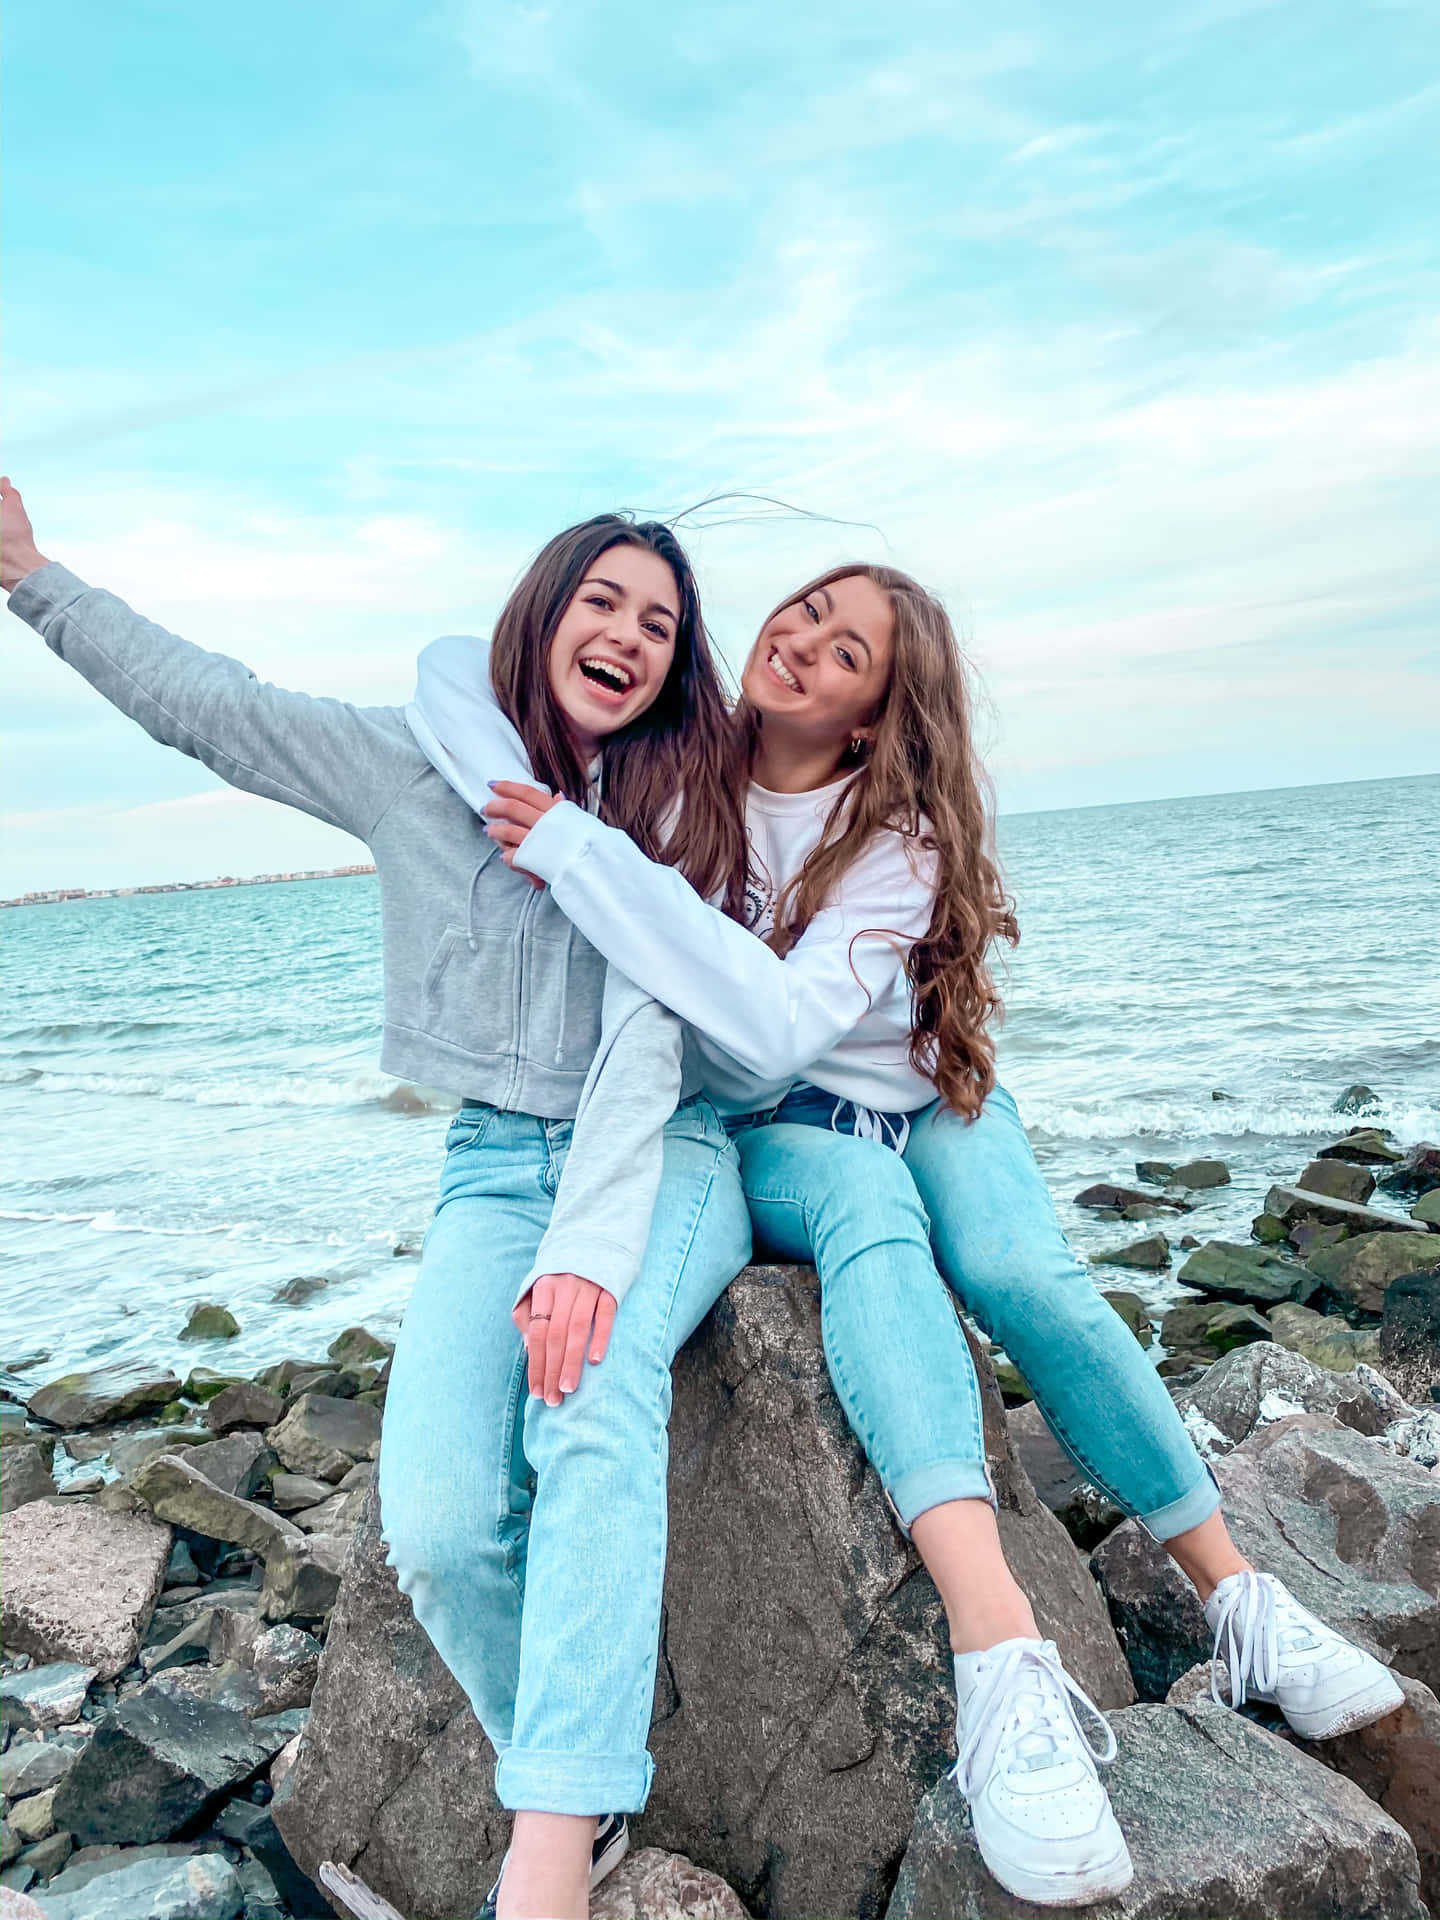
x,y
1360,1272
101,1394
1086,1513
1156,1173
1352,1530
1224,1822
154,1764
237,1465
358,1347
181,1569
323,1436
650,1882
1417,1173
196,1886
1252,1274
804,1695
1324,1338
24,1476
189,1647
1150,1255
1365,1146
1103,1196
1200,1175
302,1578
281,1377
1339,1179
46,1696
243,1405
1294,1204
1132,1310
1357,1098
1410,1333
210,1322
34,1767
177,1491
296,1292
80,1584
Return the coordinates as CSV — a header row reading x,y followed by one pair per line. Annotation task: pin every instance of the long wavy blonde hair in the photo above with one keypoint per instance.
x,y
920,773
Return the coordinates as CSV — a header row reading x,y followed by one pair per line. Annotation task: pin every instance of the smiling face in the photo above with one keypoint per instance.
x,y
614,645
820,670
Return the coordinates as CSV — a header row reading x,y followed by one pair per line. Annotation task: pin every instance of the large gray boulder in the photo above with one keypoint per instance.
x,y
156,1762
1353,1531
1224,1822
804,1698
24,1476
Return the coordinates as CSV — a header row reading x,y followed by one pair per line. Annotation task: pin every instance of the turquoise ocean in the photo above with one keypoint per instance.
x,y
190,1107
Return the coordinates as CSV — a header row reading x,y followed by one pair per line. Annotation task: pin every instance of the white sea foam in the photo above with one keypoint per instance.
x,y
1207,1119
284,1090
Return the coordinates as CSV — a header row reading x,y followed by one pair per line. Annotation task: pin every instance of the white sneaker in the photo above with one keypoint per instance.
x,y
1279,1652
1042,1820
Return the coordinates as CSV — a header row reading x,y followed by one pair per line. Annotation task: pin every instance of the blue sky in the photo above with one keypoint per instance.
x,y
1116,326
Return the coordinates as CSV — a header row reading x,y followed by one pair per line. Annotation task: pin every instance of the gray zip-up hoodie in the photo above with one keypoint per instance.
x,y
489,991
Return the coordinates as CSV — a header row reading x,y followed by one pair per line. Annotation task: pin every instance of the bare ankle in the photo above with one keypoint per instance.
x,y
547,1871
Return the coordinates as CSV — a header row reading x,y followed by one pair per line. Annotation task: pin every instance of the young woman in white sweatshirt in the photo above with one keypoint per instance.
x,y
855,992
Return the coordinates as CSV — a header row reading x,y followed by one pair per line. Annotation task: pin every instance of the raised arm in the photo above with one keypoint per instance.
x,y
341,763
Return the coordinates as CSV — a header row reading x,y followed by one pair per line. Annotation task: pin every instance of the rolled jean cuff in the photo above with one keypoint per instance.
x,y
1188,1511
530,1780
916,1492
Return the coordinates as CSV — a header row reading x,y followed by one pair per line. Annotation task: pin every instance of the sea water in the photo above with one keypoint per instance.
x,y
190,1107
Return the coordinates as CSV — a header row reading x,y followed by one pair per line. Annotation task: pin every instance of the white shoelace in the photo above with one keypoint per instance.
x,y
1248,1623
1029,1694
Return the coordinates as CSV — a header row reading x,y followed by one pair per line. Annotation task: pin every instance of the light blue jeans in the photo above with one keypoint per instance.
x,y
531,1539
969,1200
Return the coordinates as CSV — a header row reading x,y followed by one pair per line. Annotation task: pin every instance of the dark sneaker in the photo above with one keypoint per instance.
x,y
612,1843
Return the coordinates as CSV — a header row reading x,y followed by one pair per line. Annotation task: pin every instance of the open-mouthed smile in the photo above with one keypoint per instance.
x,y
607,677
782,673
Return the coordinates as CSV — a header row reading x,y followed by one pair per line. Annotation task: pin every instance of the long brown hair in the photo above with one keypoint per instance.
x,y
920,774
679,747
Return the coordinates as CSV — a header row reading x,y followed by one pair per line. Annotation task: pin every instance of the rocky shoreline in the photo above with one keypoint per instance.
x,y
211,1684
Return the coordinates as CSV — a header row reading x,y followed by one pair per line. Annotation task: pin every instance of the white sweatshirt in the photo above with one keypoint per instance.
x,y
836,1011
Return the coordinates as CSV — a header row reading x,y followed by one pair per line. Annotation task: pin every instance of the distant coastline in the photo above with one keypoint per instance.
x,y
53,896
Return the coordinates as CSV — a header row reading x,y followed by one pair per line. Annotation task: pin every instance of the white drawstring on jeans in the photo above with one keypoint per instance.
x,y
1027,1692
1248,1625
870,1125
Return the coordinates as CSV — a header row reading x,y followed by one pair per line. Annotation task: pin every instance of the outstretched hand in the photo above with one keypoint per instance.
x,y
564,1320
511,815
18,554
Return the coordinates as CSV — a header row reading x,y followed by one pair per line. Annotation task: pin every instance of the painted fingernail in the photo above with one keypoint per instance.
x,y
492,784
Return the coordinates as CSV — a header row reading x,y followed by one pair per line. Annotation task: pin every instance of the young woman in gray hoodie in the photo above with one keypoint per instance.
x,y
528,1528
